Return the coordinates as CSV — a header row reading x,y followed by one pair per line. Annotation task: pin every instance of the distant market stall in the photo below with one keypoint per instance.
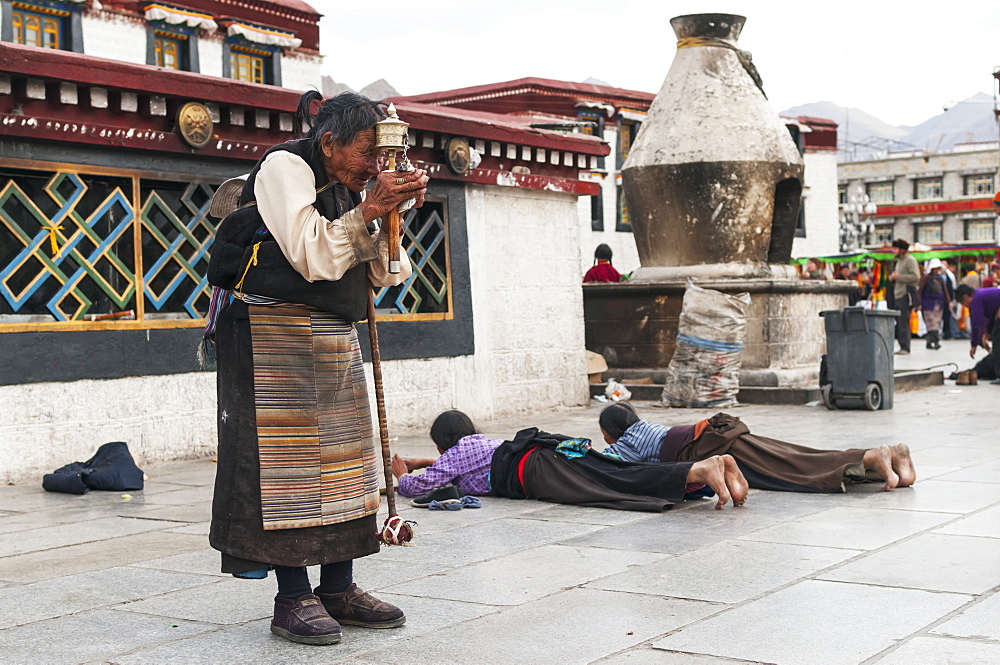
x,y
919,251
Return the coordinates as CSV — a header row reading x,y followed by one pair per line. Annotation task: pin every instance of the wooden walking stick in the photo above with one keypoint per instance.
x,y
396,530
391,136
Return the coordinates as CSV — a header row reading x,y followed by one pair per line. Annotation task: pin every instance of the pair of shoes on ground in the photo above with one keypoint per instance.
x,y
969,377
456,504
443,495
316,618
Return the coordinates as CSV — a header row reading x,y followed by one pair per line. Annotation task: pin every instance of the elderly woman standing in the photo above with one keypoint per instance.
x,y
297,479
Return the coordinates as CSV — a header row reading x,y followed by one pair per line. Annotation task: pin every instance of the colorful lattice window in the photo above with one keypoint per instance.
x,y
426,295
247,65
104,247
82,247
36,28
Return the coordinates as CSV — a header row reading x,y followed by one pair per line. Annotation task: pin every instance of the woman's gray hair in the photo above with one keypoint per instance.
x,y
342,116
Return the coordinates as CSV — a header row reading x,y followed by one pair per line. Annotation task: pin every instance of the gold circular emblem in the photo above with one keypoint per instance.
x,y
195,123
458,155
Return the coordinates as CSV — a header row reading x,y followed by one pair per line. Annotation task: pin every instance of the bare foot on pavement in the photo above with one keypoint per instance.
x,y
737,484
879,460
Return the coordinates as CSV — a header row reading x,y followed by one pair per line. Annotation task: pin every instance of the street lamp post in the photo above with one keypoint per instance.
x,y
856,220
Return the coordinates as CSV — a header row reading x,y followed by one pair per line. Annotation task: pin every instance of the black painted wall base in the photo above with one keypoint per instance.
x,y
38,357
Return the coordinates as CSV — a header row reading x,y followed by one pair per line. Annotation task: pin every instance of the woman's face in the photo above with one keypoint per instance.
x,y
355,164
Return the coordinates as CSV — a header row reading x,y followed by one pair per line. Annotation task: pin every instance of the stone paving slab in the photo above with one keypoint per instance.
x,y
435,521
86,591
932,561
551,512
987,472
979,621
246,600
942,651
938,495
201,560
97,555
482,541
984,523
849,527
44,538
658,657
961,456
570,628
815,622
773,565
253,642
196,528
200,512
96,635
527,575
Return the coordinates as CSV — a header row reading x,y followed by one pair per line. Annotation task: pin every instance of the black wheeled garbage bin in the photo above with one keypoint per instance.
x,y
856,371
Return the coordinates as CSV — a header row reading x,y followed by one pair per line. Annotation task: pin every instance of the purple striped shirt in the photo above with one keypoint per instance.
x,y
465,465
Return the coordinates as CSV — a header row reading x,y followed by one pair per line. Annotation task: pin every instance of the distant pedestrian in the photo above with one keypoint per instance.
x,y
949,327
934,301
602,270
984,308
905,278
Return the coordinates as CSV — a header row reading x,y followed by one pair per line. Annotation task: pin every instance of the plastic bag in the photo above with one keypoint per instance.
x,y
705,368
617,392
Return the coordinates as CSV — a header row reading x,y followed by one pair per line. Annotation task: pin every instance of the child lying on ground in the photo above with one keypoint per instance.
x,y
560,469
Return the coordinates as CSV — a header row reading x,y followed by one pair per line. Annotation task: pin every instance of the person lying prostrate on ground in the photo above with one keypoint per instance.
x,y
560,469
767,464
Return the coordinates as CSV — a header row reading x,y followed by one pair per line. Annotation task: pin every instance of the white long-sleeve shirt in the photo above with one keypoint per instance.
x,y
318,248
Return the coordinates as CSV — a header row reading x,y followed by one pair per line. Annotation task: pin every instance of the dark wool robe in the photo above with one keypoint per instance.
x,y
771,464
592,480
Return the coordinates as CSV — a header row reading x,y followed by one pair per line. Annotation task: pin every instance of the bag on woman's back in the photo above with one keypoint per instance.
x,y
705,368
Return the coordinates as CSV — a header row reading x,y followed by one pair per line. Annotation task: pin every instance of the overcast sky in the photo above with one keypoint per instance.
x,y
899,61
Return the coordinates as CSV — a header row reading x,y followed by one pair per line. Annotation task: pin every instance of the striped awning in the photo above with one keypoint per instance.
x,y
179,16
262,35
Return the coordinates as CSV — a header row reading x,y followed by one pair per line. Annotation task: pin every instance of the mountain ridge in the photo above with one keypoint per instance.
x,y
861,135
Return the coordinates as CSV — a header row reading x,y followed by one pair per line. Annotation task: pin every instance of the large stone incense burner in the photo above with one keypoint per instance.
x,y
713,185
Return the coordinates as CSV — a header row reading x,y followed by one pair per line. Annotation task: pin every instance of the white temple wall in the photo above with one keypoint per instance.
x,y
529,356
210,54
47,425
115,37
301,72
820,206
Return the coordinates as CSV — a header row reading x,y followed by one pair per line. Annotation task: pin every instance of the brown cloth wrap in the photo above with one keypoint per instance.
x,y
806,468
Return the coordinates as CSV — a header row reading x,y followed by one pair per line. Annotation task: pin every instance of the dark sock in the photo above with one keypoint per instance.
x,y
335,577
293,582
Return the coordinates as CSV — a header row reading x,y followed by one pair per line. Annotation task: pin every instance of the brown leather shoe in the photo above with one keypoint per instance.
x,y
355,607
304,620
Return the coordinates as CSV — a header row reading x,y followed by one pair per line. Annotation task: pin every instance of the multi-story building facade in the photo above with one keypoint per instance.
x,y
926,197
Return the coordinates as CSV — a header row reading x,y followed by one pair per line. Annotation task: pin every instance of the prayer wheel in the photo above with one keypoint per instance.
x,y
714,176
